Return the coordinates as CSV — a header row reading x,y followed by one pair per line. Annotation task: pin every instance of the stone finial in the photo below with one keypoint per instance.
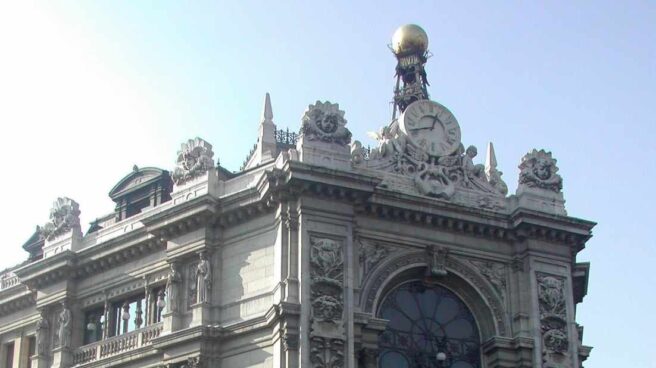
x,y
267,111
493,175
64,216
195,158
491,158
325,122
538,170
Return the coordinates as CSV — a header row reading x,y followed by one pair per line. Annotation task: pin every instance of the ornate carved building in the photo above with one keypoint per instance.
x,y
317,253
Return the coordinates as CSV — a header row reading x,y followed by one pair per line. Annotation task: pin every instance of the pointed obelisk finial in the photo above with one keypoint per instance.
x,y
267,112
491,159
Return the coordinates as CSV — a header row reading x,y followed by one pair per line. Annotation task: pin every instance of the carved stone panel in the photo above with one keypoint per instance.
x,y
369,256
327,274
495,273
327,302
553,319
326,352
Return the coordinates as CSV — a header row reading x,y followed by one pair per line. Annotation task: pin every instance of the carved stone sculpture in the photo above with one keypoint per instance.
x,y
42,328
64,216
538,170
434,176
326,352
194,159
191,363
203,279
495,273
324,121
173,281
327,273
64,332
553,317
370,256
437,260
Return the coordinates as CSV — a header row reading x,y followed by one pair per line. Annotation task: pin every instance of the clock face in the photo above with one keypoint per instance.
x,y
431,127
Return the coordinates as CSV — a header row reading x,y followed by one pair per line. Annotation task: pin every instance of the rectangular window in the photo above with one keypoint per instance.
x,y
9,359
93,325
127,315
31,350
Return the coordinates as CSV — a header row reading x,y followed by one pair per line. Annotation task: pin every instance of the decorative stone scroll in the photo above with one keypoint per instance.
x,y
195,158
325,122
64,216
538,170
553,317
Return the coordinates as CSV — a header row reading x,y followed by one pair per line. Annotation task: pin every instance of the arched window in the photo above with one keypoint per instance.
x,y
424,322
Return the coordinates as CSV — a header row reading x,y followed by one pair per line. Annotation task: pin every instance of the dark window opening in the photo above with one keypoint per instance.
x,y
9,359
428,326
94,322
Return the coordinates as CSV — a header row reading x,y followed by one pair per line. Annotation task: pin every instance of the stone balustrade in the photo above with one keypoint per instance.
x,y
117,344
8,280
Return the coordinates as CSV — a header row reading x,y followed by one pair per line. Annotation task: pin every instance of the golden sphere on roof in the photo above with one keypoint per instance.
x,y
409,38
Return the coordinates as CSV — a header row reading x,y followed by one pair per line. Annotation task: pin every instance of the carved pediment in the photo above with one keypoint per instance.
x,y
138,178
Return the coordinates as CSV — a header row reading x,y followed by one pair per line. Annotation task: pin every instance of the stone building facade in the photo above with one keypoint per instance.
x,y
318,252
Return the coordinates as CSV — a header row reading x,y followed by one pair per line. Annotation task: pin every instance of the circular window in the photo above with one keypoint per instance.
x,y
425,321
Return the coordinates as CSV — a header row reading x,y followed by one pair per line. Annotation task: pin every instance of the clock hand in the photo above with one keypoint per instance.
x,y
435,120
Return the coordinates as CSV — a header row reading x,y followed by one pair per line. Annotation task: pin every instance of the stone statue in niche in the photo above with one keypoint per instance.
x,y
538,170
42,328
64,332
64,216
173,281
194,159
325,122
203,279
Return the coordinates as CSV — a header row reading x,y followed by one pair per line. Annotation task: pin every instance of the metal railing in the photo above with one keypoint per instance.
x,y
286,137
117,344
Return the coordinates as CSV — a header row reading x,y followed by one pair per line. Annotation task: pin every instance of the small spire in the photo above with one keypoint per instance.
x,y
491,159
267,112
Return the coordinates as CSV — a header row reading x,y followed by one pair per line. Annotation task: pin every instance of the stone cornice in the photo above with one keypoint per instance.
x,y
47,271
18,301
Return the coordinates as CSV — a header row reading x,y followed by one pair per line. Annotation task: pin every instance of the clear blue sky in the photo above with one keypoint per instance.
x,y
87,89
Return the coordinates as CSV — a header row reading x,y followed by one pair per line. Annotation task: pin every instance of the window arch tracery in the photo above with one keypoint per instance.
x,y
424,321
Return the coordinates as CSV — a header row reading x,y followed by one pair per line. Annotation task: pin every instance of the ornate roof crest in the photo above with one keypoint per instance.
x,y
538,170
324,121
64,216
194,159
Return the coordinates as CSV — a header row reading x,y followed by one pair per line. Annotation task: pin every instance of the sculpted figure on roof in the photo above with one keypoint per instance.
x,y
64,216
538,170
195,158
